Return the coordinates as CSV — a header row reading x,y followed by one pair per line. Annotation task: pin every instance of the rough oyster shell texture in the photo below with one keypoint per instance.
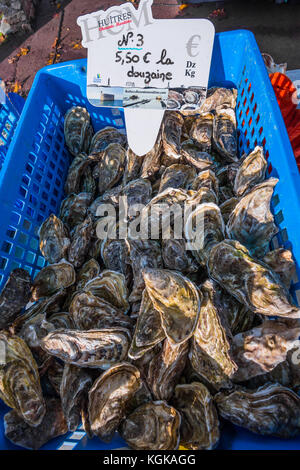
x,y
271,410
114,324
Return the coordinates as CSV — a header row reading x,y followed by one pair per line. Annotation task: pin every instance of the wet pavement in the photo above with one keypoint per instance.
x,y
56,36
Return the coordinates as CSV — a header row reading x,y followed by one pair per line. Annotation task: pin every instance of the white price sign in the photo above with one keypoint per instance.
x,y
144,65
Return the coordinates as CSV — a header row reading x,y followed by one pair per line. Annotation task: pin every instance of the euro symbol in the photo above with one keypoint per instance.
x,y
193,45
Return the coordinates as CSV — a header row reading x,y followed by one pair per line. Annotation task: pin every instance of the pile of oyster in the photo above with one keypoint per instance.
x,y
143,336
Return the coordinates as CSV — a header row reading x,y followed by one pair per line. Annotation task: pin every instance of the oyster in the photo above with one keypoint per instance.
x,y
282,263
199,420
74,388
251,171
177,176
195,157
251,221
143,254
109,397
89,312
73,209
110,286
227,207
148,330
171,135
206,179
55,374
201,131
135,193
80,242
78,130
133,166
151,161
62,320
250,281
88,271
178,301
191,97
111,167
261,349
203,229
210,353
22,434
271,410
75,181
176,257
166,368
52,278
20,385
14,296
99,348
54,241
152,426
218,97
115,255
106,136
224,138
203,194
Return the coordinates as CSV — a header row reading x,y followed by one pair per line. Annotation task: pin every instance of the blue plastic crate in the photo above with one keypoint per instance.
x,y
33,174
10,110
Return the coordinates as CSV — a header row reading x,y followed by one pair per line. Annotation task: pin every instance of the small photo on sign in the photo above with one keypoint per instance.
x,y
181,99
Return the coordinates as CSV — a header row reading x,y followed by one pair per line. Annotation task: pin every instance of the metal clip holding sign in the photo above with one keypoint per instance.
x,y
146,66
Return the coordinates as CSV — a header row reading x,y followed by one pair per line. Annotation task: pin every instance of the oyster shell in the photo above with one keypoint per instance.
x,y
88,271
133,166
204,228
14,296
148,331
252,171
106,136
171,135
115,256
75,181
191,97
135,193
151,161
54,241
20,385
80,242
261,349
52,278
89,312
62,320
73,209
78,130
111,167
282,263
250,281
227,207
109,397
152,426
178,301
218,97
143,254
210,353
166,368
74,388
55,374
224,138
177,176
176,257
201,131
251,221
22,434
110,286
195,157
199,420
99,348
270,410
206,179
